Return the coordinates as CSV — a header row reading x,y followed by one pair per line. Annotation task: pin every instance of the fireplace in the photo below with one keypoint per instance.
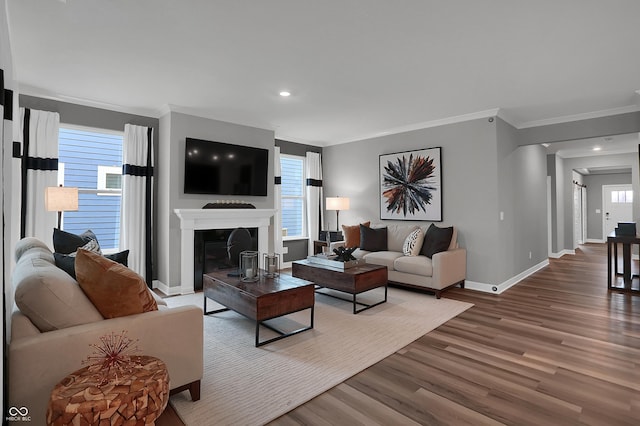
x,y
211,254
192,220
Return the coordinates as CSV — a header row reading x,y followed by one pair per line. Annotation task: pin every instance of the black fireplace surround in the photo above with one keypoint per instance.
x,y
210,252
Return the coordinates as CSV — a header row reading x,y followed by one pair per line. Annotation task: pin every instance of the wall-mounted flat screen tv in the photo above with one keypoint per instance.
x,y
224,169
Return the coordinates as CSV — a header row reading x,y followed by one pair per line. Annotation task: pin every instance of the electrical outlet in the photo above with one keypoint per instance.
x,y
529,255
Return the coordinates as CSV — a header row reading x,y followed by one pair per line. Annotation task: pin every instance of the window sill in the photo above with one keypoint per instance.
x,y
297,238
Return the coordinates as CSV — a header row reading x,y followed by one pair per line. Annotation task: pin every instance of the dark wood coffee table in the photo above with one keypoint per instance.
x,y
355,280
261,300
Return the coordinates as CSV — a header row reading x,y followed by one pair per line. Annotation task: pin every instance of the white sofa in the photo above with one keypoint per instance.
x,y
38,359
445,269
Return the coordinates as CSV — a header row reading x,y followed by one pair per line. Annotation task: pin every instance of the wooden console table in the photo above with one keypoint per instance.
x,y
612,258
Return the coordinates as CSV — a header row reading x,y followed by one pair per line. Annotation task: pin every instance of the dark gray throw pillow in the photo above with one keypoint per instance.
x,y
436,240
373,239
68,263
66,242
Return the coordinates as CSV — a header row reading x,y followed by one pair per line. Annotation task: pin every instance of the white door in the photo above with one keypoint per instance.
x,y
577,216
617,206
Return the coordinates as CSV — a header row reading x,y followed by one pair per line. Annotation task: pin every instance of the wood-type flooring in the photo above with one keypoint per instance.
x,y
556,349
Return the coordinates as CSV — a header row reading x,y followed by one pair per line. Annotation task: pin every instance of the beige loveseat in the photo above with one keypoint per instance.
x,y
443,270
52,337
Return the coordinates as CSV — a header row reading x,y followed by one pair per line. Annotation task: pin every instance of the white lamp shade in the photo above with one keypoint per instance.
x,y
337,203
61,199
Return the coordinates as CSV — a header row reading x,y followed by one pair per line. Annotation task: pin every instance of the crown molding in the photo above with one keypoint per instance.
x,y
424,125
578,117
28,90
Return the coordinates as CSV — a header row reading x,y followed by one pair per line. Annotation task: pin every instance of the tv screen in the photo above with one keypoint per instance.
x,y
224,169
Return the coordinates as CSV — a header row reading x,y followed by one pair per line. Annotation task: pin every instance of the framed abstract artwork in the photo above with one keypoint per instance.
x,y
411,185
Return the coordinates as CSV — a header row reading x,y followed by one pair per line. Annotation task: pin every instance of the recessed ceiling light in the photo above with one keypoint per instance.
x,y
596,148
284,93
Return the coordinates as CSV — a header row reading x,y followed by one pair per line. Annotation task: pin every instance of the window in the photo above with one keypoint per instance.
x,y
293,196
91,159
625,197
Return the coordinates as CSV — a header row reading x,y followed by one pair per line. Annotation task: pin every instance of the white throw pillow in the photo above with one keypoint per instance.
x,y
413,243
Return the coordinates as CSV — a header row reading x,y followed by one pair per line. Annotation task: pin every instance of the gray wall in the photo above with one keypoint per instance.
x,y
522,197
91,117
581,129
570,164
10,226
469,182
176,128
594,199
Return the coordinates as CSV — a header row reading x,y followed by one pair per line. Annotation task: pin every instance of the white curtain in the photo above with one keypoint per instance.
x,y
39,132
136,208
277,201
314,197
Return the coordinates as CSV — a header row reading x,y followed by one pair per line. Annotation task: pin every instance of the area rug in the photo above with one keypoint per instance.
x,y
245,385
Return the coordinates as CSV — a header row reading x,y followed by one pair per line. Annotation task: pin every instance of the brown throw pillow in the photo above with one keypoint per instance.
x,y
114,289
352,234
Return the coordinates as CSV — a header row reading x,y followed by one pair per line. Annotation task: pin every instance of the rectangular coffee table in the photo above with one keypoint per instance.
x,y
354,281
261,300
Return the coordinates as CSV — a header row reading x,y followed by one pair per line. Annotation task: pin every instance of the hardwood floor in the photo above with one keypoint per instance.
x,y
557,348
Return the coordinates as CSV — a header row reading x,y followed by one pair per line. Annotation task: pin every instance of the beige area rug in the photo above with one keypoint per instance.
x,y
245,385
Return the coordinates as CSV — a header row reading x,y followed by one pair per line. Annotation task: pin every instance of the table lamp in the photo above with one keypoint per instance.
x,y
60,199
337,204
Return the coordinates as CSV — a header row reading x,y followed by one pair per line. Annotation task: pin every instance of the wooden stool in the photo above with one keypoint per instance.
x,y
136,399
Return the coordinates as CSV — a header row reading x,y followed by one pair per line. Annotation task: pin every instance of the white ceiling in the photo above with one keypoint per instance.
x,y
355,68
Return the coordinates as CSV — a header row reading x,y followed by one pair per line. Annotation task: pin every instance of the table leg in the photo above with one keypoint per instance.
x,y
626,259
609,265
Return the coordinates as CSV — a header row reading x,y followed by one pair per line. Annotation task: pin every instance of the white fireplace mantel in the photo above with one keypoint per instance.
x,y
202,219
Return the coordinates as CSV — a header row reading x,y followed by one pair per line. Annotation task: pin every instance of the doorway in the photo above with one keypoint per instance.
x,y
579,214
617,203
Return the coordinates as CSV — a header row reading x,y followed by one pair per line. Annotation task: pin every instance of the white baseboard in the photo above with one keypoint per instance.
x,y
497,289
169,291
595,241
562,253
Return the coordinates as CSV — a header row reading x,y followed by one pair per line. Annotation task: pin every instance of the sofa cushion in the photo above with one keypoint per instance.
x,y
417,265
436,240
114,289
373,239
352,234
48,296
66,242
397,233
413,243
385,258
67,262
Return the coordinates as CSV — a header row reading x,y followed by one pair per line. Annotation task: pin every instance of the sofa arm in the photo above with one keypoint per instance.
x,y
449,267
335,245
38,363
